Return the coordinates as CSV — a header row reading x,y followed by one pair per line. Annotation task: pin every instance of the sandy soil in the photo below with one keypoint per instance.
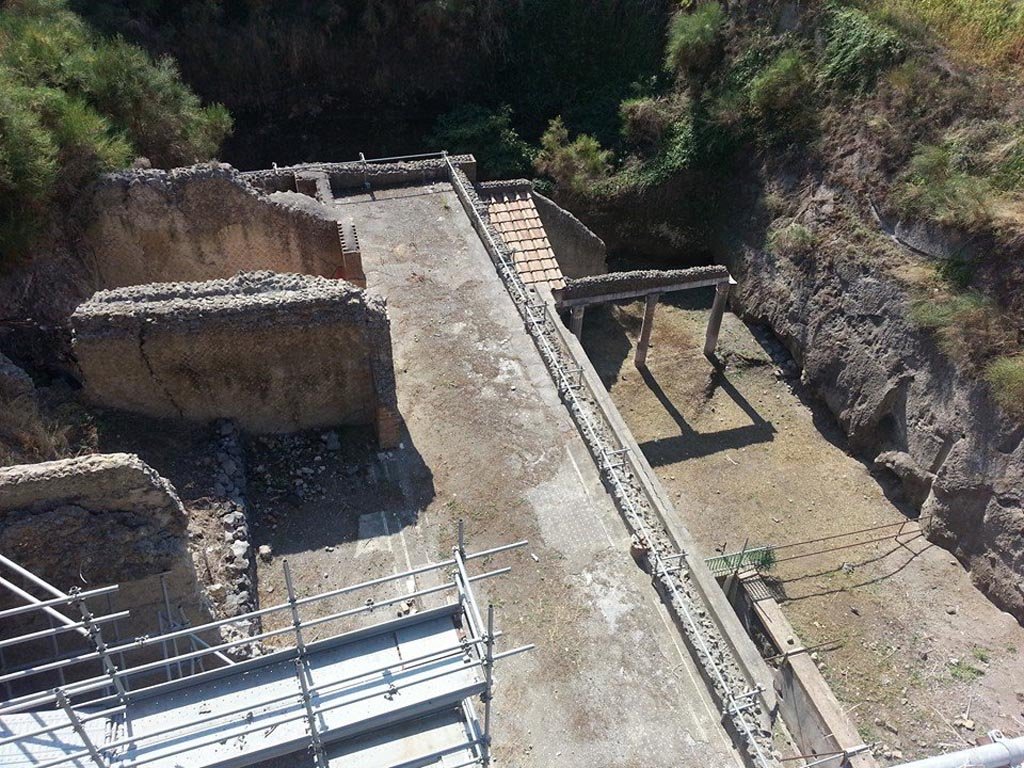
x,y
921,660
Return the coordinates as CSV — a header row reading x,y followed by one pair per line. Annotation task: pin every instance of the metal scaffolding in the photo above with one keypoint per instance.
x,y
416,675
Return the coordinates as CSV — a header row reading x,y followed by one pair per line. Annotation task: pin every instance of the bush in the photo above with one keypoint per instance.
x,y
779,98
859,48
576,166
694,39
1006,377
489,135
933,188
73,105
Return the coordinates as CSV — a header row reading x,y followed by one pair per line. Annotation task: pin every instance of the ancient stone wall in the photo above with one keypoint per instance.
x,y
356,175
201,223
275,352
96,520
579,252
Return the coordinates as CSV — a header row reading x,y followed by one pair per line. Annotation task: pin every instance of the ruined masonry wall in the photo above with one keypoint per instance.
x,y
579,252
275,352
201,223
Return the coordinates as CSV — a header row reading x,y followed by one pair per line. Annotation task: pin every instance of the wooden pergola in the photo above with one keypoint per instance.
x,y
649,285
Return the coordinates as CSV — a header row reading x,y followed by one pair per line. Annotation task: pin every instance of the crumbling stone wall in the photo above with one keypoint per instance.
x,y
274,352
103,518
579,252
201,223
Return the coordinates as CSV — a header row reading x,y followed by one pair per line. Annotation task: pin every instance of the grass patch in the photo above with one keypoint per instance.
x,y
963,672
935,188
793,240
981,655
694,38
1005,375
858,50
986,31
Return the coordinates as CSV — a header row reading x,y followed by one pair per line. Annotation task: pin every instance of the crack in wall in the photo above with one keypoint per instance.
x,y
152,372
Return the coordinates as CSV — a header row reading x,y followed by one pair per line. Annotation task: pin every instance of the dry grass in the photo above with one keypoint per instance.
x,y
26,435
975,31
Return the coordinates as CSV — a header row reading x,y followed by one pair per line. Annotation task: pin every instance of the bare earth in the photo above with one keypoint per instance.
x,y
920,658
489,441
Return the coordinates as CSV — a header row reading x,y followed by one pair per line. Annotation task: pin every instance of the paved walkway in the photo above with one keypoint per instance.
x,y
489,441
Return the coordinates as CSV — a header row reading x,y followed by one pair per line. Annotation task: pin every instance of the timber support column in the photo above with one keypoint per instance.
x,y
645,330
715,321
577,322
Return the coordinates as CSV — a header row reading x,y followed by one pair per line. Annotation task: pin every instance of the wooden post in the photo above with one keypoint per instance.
x,y
715,321
645,330
577,322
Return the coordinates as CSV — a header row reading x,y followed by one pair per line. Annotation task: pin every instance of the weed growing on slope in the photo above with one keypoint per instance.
x,y
694,38
859,48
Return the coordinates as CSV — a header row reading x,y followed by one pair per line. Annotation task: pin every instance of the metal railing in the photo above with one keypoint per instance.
x,y
614,463
479,644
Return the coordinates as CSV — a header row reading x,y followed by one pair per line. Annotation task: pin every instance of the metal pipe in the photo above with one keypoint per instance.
x,y
38,605
1001,753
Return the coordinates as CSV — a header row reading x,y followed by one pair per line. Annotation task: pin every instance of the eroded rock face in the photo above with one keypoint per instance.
x,y
902,403
96,519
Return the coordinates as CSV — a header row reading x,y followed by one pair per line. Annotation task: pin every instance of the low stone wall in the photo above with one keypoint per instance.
x,y
356,174
201,223
579,252
97,520
274,352
819,725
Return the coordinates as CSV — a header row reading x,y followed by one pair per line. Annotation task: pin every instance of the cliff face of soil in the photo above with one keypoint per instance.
x,y
904,404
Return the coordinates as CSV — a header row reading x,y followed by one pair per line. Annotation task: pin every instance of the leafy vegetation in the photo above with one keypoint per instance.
x,y
487,134
694,38
859,48
73,104
577,165
779,98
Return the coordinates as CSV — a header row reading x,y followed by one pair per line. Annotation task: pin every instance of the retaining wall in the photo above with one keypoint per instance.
x,y
274,352
819,724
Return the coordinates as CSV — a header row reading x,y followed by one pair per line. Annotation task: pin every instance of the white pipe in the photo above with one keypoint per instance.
x,y
1002,753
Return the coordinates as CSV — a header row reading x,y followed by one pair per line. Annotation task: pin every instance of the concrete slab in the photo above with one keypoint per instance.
x,y
489,441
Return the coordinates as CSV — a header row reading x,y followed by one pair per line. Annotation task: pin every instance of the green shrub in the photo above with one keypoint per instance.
x,y
933,188
859,48
1005,376
577,165
694,38
936,312
73,105
489,135
779,96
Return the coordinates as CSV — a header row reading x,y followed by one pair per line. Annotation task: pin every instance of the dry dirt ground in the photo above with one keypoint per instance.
x,y
488,441
921,660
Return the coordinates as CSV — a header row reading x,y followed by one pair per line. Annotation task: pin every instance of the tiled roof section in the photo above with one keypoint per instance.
x,y
514,215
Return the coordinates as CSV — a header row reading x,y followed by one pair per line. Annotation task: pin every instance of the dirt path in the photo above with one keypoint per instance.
x,y
924,662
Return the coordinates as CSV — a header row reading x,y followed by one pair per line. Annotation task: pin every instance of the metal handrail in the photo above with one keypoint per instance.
x,y
526,308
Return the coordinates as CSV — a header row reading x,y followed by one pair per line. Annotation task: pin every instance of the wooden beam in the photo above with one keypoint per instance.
x,y
715,321
645,330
